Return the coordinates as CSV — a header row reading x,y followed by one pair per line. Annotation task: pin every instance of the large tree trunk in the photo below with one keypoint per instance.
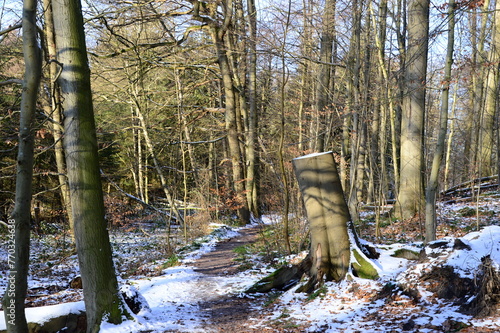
x,y
411,193
331,242
100,287
432,187
487,129
327,213
19,224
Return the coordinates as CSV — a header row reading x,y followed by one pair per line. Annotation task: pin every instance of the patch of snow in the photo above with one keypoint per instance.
x,y
44,313
482,243
313,155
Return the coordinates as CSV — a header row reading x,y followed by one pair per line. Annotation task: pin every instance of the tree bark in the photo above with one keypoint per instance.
x,y
100,287
251,151
487,129
411,192
432,186
20,222
54,111
327,213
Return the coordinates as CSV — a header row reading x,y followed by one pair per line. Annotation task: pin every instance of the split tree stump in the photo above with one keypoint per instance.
x,y
329,219
328,215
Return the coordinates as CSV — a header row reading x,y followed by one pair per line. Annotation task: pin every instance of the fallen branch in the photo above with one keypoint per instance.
x,y
128,195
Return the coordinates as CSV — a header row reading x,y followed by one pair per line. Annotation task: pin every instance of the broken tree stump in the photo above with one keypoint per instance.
x,y
327,213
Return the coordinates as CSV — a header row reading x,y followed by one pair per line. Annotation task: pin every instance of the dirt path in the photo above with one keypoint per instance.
x,y
232,313
220,261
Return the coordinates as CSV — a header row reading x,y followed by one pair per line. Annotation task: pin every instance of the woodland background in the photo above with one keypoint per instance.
x,y
201,106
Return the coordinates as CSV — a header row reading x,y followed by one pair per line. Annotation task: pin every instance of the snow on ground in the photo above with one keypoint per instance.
x,y
173,297
350,306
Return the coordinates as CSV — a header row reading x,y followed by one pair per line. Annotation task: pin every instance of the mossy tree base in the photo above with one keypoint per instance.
x,y
363,267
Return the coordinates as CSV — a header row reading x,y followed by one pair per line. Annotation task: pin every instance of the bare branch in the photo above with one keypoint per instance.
x,y
11,28
11,81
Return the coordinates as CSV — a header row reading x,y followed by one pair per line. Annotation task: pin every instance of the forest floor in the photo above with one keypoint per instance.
x,y
234,313
201,288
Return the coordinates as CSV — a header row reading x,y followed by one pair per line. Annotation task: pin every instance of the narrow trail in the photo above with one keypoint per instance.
x,y
230,313
220,261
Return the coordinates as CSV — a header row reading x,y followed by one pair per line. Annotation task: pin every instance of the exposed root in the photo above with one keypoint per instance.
x,y
487,296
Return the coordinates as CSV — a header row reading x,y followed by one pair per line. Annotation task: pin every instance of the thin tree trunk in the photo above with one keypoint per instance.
x,y
493,92
395,111
345,150
20,222
386,102
450,139
478,90
252,157
432,187
54,111
306,41
286,199
324,72
182,126
101,296
354,103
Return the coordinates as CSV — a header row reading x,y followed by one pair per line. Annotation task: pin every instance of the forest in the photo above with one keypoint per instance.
x,y
160,123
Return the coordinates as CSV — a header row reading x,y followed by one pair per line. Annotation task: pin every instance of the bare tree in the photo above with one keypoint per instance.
x,y
219,27
324,73
80,143
411,193
487,123
53,109
14,298
251,151
432,186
